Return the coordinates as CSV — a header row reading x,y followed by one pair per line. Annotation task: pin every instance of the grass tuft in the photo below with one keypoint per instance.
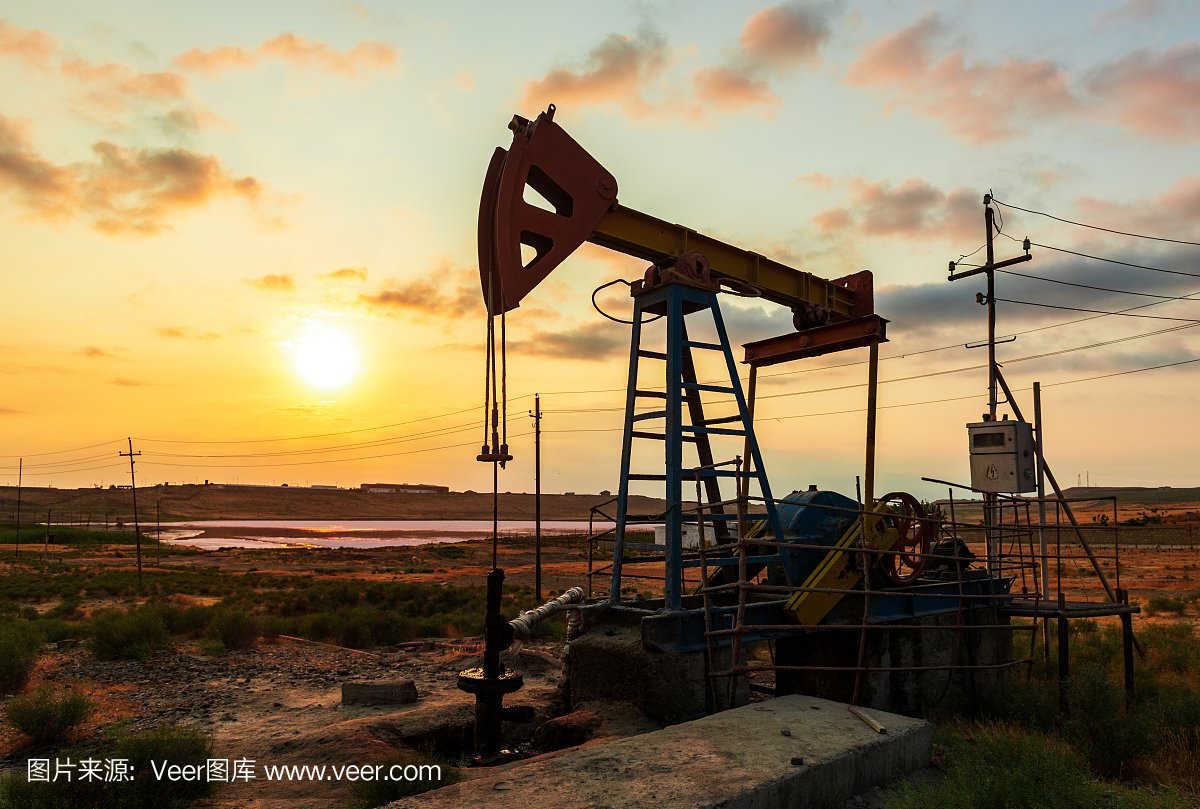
x,y
44,716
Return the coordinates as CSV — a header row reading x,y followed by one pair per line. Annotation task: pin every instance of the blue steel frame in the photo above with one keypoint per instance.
x,y
676,300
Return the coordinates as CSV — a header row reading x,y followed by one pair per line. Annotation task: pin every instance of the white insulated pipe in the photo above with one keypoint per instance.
x,y
523,625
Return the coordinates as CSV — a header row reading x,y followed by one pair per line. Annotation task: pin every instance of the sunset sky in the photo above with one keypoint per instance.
x,y
244,234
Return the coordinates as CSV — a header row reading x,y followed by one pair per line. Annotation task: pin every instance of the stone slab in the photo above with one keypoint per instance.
x,y
737,759
400,693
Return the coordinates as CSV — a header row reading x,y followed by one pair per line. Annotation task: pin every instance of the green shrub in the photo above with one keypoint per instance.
x,y
176,745
236,629
131,635
19,645
43,715
370,794
182,746
1099,728
998,766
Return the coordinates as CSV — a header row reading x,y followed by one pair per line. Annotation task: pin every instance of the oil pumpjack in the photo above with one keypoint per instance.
x,y
520,244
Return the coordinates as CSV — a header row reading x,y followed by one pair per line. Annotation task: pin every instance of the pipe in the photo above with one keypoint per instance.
x,y
523,625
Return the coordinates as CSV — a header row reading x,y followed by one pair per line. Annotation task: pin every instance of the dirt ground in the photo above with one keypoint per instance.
x,y
281,703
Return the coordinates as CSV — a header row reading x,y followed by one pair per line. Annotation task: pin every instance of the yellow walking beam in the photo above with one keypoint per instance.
x,y
656,240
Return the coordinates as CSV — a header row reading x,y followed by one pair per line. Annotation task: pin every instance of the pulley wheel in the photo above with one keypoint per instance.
x,y
916,532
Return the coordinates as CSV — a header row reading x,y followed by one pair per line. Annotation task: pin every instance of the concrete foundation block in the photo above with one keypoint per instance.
x,y
737,759
611,663
379,693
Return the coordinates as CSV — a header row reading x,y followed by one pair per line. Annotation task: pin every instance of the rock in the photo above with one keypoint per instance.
x,y
567,731
393,693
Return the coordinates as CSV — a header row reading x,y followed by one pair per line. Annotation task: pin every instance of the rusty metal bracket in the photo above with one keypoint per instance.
x,y
856,333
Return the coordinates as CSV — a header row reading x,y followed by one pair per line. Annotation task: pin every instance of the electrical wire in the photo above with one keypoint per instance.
x,y
1097,311
1102,258
61,451
596,306
330,460
1098,289
1095,227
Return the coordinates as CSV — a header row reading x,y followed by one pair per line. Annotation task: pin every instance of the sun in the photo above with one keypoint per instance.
x,y
324,357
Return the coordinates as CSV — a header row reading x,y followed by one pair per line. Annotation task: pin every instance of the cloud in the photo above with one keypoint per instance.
x,y
1130,11
109,91
1170,214
46,190
129,383
448,292
281,282
122,190
185,333
774,42
368,56
463,81
619,72
786,37
346,274
1152,94
96,353
32,47
595,341
978,102
733,90
913,209
819,181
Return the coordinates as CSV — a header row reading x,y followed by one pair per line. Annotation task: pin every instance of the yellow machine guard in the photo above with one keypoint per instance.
x,y
836,572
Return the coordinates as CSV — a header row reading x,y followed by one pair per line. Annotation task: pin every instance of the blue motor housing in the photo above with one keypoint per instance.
x,y
805,522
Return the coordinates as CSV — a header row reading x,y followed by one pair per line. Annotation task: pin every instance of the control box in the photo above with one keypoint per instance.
x,y
1003,456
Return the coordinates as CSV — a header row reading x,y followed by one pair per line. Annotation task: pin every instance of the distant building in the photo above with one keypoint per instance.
x,y
405,488
318,486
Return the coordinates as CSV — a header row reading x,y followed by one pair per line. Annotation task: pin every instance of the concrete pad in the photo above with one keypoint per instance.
x,y
738,759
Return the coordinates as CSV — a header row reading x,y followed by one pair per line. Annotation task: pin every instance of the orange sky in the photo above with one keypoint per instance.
x,y
245,237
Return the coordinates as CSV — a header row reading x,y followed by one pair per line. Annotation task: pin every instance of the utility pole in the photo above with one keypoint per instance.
x,y
990,267
20,473
158,528
537,496
137,534
46,546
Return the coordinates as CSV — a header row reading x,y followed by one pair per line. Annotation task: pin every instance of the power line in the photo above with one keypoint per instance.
x,y
329,460
1098,289
1097,311
61,451
1096,227
1109,260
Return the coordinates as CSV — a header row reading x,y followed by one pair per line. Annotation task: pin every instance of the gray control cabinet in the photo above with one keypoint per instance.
x,y
1003,456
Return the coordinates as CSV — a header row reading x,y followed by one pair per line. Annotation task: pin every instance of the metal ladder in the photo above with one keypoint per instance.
x,y
673,301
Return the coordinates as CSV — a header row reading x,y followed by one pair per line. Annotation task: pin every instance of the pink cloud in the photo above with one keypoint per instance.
x,y
367,56
622,71
1152,94
773,42
819,181
732,91
914,209
978,102
31,46
785,37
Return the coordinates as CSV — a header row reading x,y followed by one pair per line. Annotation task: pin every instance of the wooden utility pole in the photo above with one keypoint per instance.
x,y
537,496
20,473
158,528
137,534
46,546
